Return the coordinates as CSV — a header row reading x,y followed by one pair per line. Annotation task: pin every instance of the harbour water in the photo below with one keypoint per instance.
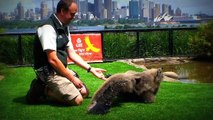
x,y
33,30
191,72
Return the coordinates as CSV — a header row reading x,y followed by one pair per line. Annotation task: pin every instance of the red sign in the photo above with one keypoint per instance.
x,y
88,46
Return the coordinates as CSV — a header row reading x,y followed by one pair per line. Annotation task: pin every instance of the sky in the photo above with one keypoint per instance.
x,y
187,6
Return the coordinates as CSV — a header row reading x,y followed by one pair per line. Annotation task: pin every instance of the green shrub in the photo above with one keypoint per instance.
x,y
9,53
202,42
181,39
27,49
119,45
9,50
153,44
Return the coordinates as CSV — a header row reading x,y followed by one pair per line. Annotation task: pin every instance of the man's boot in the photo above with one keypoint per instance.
x,y
36,93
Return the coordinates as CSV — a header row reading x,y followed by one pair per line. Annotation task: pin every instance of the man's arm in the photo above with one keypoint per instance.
x,y
59,67
80,62
77,59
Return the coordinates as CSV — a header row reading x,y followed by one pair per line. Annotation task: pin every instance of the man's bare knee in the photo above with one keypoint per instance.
x,y
84,92
77,100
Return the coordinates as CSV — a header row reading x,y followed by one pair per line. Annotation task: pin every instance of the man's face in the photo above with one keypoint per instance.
x,y
70,14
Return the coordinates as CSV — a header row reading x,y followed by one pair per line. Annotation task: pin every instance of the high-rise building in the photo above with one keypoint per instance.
x,y
133,9
20,11
108,7
114,5
156,10
165,8
151,10
146,10
98,8
29,14
178,12
83,7
123,12
114,8
91,8
78,4
141,8
37,11
44,10
171,11
104,13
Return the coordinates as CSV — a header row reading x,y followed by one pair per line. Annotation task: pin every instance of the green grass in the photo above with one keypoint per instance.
x,y
175,101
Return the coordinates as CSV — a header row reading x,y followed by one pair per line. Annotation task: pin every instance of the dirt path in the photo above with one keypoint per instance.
x,y
1,77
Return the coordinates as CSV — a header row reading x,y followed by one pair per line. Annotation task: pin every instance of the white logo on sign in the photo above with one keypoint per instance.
x,y
79,43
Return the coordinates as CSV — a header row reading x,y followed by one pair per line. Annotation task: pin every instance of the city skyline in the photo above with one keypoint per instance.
x,y
187,6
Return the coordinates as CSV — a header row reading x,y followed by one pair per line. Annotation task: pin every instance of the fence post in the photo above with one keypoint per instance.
x,y
171,44
138,44
102,42
20,50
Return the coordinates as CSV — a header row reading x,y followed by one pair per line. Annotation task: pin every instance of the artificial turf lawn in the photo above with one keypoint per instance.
x,y
175,101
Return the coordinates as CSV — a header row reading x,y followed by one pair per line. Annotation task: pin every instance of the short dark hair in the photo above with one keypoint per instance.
x,y
64,4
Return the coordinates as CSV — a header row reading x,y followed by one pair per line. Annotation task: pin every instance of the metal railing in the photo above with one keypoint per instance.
x,y
137,31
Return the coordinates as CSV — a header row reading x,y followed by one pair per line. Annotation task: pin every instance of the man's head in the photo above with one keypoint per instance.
x,y
66,10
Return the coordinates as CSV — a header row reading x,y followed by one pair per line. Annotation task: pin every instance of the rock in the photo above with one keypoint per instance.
x,y
171,74
168,79
140,61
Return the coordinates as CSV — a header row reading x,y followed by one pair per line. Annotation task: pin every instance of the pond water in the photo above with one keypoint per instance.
x,y
190,72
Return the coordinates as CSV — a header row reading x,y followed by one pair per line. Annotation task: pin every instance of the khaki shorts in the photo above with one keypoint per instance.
x,y
62,88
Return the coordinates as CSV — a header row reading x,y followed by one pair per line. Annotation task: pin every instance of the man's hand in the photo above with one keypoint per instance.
x,y
77,82
98,72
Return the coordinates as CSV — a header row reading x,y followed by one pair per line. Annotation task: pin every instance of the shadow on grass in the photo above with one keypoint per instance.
x,y
22,100
118,102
